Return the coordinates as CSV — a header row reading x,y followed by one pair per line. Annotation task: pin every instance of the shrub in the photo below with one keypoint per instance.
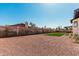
x,y
11,33
2,34
25,31
22,32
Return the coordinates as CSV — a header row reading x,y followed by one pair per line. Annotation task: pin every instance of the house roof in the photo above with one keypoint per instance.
x,y
76,14
72,20
18,24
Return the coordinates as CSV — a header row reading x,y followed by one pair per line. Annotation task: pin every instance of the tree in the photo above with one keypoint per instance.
x,y
32,25
26,23
66,28
44,26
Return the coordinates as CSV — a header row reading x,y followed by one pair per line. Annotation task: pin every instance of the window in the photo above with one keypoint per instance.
x,y
75,24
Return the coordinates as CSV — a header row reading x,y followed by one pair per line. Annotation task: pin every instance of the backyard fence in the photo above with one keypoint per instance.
x,y
22,32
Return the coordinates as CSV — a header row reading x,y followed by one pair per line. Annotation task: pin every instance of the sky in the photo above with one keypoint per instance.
x,y
42,14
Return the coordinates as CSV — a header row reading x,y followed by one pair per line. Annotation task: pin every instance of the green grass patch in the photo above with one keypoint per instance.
x,y
55,34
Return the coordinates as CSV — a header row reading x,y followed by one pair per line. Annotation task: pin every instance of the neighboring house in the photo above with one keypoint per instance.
x,y
14,27
75,22
2,28
17,26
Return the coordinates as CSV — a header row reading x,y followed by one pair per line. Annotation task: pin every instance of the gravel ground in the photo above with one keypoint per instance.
x,y
38,45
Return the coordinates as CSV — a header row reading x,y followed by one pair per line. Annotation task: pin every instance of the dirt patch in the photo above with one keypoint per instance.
x,y
38,45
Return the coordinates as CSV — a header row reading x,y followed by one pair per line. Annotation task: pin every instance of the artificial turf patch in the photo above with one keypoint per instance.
x,y
55,34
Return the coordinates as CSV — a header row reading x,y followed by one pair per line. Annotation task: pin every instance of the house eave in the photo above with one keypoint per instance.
x,y
72,20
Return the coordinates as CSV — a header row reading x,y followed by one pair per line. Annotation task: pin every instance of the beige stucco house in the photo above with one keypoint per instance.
x,y
75,26
75,22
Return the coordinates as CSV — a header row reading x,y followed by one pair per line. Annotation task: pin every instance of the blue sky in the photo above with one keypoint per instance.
x,y
51,15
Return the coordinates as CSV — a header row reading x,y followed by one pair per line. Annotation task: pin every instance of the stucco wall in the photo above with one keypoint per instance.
x,y
75,29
